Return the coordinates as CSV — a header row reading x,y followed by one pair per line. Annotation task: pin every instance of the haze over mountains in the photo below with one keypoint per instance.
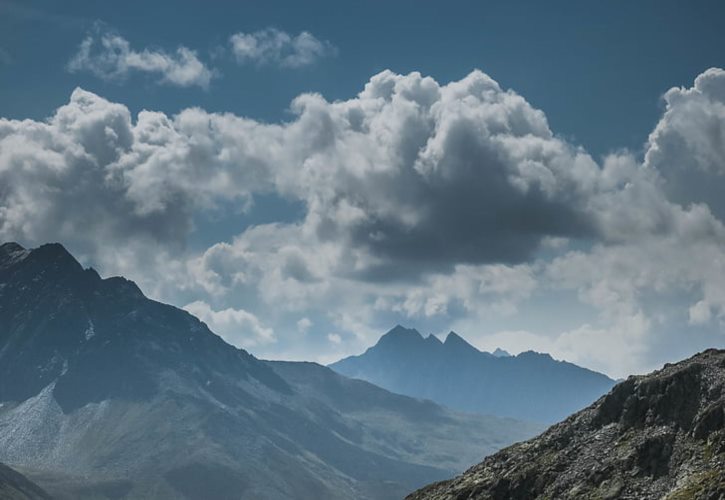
x,y
105,393
531,386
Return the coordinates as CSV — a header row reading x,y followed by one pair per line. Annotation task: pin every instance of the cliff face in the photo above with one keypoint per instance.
x,y
658,436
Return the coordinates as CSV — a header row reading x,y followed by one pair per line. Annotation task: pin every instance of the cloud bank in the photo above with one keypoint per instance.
x,y
451,205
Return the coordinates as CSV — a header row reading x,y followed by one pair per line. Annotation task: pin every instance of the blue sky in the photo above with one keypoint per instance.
x,y
523,213
571,59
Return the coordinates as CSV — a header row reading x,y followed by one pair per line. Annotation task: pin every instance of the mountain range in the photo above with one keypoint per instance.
x,y
659,436
530,386
105,393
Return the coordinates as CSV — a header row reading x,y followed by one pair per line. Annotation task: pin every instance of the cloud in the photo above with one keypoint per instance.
x,y
422,176
471,288
424,203
278,48
409,177
114,189
304,325
700,313
109,56
687,147
236,326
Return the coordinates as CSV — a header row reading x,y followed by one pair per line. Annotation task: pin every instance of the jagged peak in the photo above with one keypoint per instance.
x,y
399,330
53,248
123,286
56,256
11,246
56,253
399,334
433,339
501,353
534,354
11,252
455,340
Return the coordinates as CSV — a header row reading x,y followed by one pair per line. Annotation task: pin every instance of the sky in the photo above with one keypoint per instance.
x,y
303,176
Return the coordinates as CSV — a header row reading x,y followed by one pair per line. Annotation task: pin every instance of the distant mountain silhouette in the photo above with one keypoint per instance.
x,y
657,436
108,394
530,386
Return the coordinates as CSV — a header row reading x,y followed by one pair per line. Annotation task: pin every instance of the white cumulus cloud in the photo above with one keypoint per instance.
x,y
687,147
237,326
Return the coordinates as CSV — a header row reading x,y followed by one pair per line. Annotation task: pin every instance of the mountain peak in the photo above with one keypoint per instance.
x,y
11,246
47,257
433,339
453,340
501,353
399,334
455,373
74,347
54,301
123,286
54,250
535,355
401,330
56,255
10,253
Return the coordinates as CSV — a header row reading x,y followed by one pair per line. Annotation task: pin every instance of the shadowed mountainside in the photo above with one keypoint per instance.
x,y
105,393
15,486
658,436
530,386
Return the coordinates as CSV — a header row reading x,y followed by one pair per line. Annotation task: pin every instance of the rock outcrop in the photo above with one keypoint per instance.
x,y
658,436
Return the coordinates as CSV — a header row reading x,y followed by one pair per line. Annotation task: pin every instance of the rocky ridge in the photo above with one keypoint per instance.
x,y
529,386
657,436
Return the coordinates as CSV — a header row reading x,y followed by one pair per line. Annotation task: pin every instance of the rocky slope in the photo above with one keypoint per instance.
x,y
531,386
15,486
659,436
105,393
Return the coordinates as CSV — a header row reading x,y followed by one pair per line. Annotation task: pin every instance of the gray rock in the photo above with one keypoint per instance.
x,y
658,436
